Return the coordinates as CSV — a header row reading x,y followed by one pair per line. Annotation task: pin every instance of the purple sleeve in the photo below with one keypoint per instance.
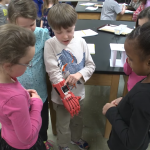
x,y
147,4
26,123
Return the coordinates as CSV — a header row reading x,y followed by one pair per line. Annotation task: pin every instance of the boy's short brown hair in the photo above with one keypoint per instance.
x,y
21,8
62,15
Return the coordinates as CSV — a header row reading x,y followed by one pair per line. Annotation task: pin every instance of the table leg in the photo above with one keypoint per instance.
x,y
113,95
53,117
125,91
52,111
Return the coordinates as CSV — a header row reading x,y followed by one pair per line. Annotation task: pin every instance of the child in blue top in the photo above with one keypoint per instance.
x,y
46,7
23,13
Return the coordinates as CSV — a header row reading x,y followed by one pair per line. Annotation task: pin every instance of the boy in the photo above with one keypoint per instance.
x,y
3,11
110,10
67,61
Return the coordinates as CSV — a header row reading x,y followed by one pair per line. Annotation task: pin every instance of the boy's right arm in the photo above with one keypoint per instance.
x,y
55,76
119,10
123,10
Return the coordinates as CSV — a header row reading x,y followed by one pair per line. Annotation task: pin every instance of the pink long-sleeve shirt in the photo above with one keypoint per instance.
x,y
20,116
133,78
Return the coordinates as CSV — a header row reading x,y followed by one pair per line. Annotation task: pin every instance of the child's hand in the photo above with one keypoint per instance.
x,y
73,78
116,101
32,91
68,95
106,107
34,95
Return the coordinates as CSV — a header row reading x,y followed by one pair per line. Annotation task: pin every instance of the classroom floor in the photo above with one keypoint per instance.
x,y
94,121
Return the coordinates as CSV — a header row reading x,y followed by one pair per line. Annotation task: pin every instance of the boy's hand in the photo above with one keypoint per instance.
x,y
116,101
73,78
106,107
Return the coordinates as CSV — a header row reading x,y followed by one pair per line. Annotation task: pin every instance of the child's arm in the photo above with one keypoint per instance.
x,y
127,69
89,68
26,121
41,24
55,76
132,135
51,64
119,9
123,10
136,13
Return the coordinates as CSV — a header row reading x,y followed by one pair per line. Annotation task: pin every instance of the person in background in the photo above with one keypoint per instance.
x,y
20,109
3,11
144,4
143,17
39,12
110,10
24,13
46,7
134,4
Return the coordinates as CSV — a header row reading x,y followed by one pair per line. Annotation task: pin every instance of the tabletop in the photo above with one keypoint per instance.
x,y
80,8
102,41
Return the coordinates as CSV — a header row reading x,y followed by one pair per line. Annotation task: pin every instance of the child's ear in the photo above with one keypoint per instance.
x,y
7,66
148,63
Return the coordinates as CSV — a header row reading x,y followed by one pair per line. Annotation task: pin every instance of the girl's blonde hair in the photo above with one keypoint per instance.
x,y
21,8
46,3
15,42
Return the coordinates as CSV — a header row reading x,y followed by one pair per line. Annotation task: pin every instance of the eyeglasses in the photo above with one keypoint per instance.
x,y
27,65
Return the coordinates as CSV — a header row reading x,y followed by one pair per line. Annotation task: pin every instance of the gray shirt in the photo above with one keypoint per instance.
x,y
110,10
3,14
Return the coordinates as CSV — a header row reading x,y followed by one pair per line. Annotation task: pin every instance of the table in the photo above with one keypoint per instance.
x,y
104,75
88,14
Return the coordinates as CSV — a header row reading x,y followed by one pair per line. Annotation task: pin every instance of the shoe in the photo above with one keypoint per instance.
x,y
81,144
64,148
48,145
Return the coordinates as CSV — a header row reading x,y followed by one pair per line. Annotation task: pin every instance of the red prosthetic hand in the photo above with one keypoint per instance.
x,y
71,103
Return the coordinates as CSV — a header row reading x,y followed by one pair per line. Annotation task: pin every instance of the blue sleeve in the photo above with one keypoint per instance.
x,y
40,1
46,35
